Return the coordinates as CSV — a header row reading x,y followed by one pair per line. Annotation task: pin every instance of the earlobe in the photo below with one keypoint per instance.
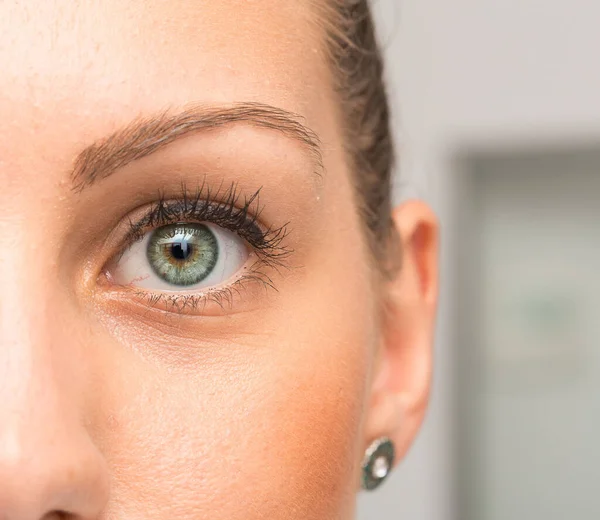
x,y
401,384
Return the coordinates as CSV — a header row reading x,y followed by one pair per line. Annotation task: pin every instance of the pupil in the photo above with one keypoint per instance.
x,y
181,250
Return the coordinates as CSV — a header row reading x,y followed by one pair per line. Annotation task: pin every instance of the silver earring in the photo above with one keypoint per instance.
x,y
378,463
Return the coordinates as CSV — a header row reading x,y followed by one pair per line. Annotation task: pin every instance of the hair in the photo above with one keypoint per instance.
x,y
357,63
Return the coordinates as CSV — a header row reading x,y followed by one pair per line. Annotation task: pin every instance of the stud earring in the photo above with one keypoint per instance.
x,y
377,464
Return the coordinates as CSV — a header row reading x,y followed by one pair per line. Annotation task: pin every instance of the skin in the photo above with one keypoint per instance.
x,y
111,408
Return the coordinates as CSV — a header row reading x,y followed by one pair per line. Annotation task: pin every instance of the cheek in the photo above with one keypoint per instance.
x,y
311,416
271,429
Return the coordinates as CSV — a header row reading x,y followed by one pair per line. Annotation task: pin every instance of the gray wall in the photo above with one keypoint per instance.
x,y
467,74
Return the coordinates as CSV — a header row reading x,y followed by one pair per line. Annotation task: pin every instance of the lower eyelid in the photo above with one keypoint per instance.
x,y
240,295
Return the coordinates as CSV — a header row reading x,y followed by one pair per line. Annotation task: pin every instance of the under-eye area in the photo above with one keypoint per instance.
x,y
204,249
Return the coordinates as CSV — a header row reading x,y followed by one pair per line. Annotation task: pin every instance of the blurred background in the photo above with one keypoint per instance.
x,y
497,117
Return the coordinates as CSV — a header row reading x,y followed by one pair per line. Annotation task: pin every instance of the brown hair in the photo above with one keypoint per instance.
x,y
358,65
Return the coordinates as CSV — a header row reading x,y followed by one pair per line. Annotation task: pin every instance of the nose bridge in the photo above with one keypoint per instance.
x,y
24,290
30,365
27,328
48,462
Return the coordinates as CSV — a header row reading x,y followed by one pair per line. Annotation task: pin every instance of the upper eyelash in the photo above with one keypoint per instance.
x,y
227,208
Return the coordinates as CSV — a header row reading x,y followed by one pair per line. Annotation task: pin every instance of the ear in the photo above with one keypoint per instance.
x,y
402,378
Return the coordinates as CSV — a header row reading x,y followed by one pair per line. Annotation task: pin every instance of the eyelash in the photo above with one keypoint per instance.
x,y
225,207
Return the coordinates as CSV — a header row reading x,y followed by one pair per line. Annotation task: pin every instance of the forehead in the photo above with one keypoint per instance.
x,y
95,64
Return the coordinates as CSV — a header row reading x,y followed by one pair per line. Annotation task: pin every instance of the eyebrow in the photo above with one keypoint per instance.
x,y
146,135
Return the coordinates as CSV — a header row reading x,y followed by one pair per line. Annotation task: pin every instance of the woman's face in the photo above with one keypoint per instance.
x,y
173,345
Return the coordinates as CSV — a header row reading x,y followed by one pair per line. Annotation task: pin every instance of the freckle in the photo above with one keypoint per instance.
x,y
112,422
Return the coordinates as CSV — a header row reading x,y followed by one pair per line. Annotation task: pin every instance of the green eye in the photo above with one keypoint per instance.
x,y
183,254
182,257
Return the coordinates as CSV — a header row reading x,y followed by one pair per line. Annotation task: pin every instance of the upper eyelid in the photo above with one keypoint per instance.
x,y
266,241
156,216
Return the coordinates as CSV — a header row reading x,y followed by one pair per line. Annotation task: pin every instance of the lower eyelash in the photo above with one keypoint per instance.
x,y
223,297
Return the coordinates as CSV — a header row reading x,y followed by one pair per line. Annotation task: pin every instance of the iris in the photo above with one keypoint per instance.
x,y
183,254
